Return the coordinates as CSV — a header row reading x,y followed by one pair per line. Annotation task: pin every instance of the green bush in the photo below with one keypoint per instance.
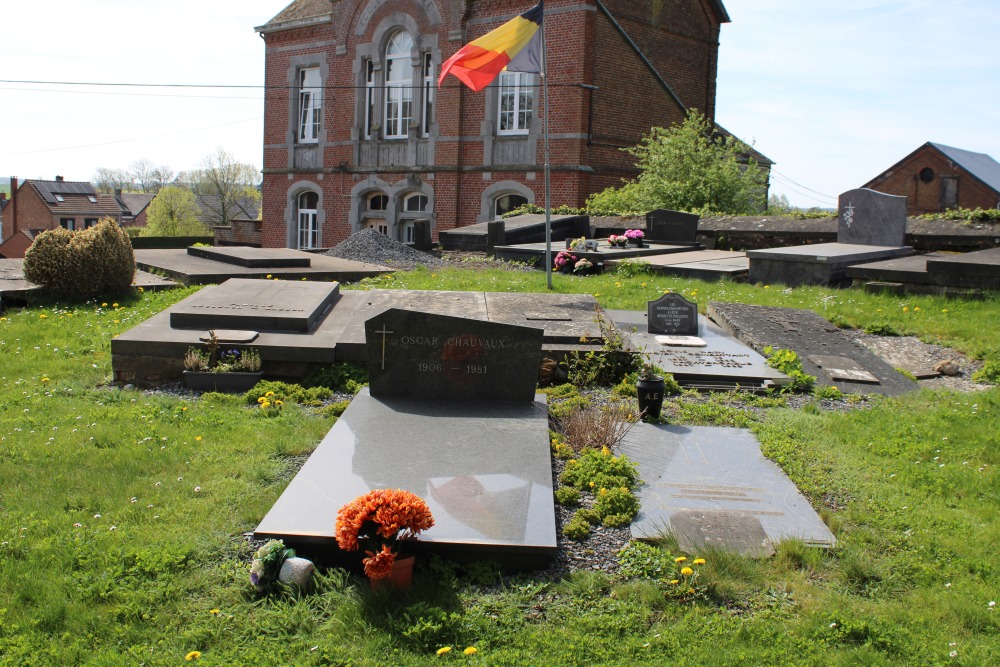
x,y
788,362
283,391
988,374
595,469
347,377
568,496
577,529
616,506
83,264
641,560
828,391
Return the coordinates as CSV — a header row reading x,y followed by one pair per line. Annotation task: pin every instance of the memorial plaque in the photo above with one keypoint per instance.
x,y
681,341
423,355
867,217
672,314
731,530
843,368
256,305
671,226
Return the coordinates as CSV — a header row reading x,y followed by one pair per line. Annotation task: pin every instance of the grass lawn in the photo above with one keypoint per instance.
x,y
122,513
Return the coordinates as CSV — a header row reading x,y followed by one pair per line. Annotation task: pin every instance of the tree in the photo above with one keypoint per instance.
x,y
224,182
688,167
173,212
141,173
108,180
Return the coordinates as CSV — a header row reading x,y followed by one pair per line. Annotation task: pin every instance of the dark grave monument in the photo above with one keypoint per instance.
x,y
483,466
871,227
846,365
673,315
712,487
705,265
441,357
258,305
668,226
965,274
720,362
272,258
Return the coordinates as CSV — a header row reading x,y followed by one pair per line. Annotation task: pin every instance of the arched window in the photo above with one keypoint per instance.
x,y
415,203
398,86
506,203
308,227
378,202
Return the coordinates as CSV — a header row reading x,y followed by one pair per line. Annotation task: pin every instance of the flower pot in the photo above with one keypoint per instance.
x,y
635,243
401,577
650,394
230,383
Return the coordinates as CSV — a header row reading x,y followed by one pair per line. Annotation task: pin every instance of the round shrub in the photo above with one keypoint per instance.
x,y
568,496
82,264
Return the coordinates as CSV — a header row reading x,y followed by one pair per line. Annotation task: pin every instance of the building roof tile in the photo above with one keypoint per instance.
x,y
980,165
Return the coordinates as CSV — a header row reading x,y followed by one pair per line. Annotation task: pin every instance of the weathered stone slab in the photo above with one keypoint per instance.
x,y
423,355
842,368
672,314
671,226
269,258
231,336
484,468
867,217
808,335
565,318
819,264
712,486
258,305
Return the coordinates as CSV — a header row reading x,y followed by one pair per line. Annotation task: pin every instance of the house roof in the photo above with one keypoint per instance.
x,y
70,198
720,11
135,202
49,189
300,12
980,165
209,207
753,153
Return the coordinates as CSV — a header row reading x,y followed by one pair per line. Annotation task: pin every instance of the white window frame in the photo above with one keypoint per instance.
x,y
307,229
379,225
398,106
310,105
369,98
427,63
518,91
415,197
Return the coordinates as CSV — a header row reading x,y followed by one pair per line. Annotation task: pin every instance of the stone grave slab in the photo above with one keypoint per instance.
x,y
681,341
706,265
235,336
979,269
258,305
818,264
712,485
483,467
415,354
673,315
842,368
867,217
808,334
723,363
669,226
272,258
565,318
534,253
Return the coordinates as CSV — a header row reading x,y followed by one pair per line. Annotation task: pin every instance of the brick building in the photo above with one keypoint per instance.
x,y
936,178
357,133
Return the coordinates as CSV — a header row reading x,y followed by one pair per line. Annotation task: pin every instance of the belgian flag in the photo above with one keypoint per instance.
x,y
515,46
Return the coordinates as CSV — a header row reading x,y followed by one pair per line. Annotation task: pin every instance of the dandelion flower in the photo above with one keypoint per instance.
x,y
193,655
687,571
443,650
213,612
680,559
469,650
197,438
698,561
675,581
43,316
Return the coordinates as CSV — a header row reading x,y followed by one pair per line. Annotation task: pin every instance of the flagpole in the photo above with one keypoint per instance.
x,y
545,135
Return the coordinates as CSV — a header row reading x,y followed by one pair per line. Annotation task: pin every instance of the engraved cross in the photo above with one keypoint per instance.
x,y
383,331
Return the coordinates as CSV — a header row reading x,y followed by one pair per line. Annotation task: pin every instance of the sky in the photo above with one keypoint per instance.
x,y
834,93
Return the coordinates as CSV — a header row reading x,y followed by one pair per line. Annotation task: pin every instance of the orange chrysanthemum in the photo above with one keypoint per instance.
x,y
397,514
379,565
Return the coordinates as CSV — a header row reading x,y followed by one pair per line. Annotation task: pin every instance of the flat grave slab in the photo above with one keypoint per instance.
x,y
484,469
276,258
14,286
909,269
565,318
808,335
535,252
425,355
258,305
711,486
700,264
189,269
722,363
819,264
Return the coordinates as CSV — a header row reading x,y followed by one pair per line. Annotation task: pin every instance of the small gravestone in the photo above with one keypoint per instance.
x,y
671,226
422,355
673,315
843,368
867,217
729,530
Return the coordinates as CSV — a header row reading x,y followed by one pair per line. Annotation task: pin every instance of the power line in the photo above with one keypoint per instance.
x,y
783,182
775,171
100,92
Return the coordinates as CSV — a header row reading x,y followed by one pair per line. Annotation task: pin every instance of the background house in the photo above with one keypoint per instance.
x,y
357,133
936,177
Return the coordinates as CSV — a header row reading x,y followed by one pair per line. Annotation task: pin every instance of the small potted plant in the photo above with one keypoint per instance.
x,y
383,520
580,244
565,261
649,390
232,370
583,266
635,237
616,241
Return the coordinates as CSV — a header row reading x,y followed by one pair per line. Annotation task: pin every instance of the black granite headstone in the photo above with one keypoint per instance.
x,y
423,355
672,314
671,226
867,217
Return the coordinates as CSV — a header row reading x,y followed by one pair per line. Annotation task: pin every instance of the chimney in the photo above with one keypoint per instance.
x,y
118,193
59,179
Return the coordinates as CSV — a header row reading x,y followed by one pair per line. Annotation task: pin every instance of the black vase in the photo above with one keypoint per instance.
x,y
650,394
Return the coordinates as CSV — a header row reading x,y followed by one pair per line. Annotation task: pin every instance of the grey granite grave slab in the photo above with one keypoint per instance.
x,y
268,258
808,334
842,368
867,217
484,469
534,253
688,470
672,314
723,363
191,270
732,530
706,265
565,318
819,264
423,355
257,305
669,226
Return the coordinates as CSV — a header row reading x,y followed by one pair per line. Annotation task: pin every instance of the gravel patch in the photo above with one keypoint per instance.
x,y
373,247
